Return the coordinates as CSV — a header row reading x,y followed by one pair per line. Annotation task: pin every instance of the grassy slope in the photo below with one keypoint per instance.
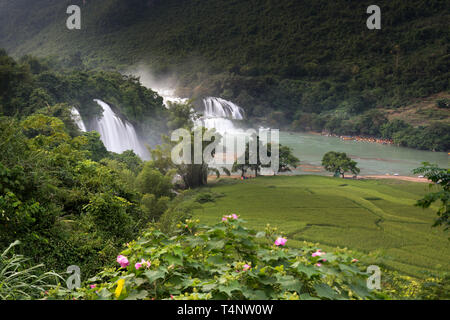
x,y
341,213
422,111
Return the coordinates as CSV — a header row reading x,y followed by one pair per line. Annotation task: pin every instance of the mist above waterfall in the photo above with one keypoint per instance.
x,y
215,112
164,86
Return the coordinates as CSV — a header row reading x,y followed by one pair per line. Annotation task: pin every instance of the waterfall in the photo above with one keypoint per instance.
x,y
76,117
118,135
221,108
168,95
218,113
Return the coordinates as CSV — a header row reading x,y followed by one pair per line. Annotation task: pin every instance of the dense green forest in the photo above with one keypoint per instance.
x,y
30,85
58,184
303,65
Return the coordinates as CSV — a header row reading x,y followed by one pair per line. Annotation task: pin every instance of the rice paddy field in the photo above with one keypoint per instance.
x,y
374,217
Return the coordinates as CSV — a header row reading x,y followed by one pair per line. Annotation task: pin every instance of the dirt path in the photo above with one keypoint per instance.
x,y
405,178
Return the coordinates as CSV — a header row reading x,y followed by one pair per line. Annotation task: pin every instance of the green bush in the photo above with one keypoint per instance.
x,y
154,207
152,181
110,215
443,103
204,197
226,261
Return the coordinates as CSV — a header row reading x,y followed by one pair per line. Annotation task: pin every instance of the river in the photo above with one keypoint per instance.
x,y
372,158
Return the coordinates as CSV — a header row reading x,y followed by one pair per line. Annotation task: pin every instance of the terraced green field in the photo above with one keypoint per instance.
x,y
370,216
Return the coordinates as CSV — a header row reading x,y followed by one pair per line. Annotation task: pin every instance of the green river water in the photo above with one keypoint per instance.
x,y
372,158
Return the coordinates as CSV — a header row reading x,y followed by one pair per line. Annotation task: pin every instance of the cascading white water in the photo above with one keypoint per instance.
x,y
168,95
118,135
218,113
77,119
218,107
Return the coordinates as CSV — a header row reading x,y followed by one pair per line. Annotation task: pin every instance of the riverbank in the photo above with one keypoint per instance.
x,y
355,138
404,178
372,177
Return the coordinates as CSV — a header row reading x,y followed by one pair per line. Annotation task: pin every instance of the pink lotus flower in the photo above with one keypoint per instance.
x,y
355,260
143,263
231,216
92,286
318,264
246,267
123,261
318,253
280,241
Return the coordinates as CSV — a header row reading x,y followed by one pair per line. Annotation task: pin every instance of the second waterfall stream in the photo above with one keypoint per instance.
x,y
118,135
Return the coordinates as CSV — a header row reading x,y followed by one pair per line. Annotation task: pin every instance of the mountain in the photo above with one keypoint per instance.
x,y
277,59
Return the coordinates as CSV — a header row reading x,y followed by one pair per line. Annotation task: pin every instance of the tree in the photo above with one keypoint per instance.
x,y
151,181
440,177
246,165
339,163
287,160
181,115
95,146
194,175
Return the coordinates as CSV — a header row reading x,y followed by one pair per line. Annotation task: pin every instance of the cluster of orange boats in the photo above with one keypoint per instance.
x,y
365,139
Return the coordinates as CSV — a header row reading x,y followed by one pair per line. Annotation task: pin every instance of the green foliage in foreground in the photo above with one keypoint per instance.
x,y
20,282
226,261
440,177
66,208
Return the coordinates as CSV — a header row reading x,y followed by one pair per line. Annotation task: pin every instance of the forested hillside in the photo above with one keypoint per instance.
x,y
36,85
303,65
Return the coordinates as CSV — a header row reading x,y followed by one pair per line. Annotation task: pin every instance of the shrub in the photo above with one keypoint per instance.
x,y
150,180
205,197
226,261
443,103
152,207
109,215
